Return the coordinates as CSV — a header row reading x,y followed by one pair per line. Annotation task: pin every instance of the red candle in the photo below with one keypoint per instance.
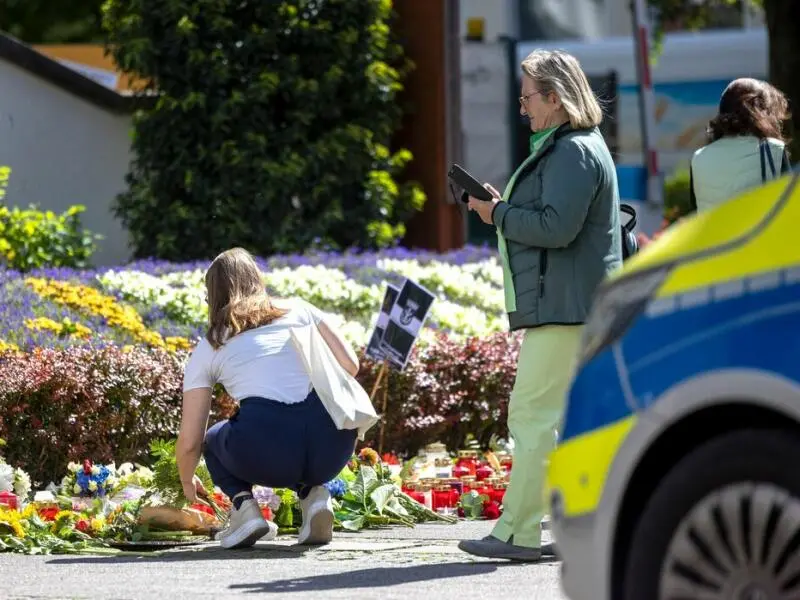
x,y
461,470
9,500
442,497
414,493
48,513
484,472
499,492
507,462
468,459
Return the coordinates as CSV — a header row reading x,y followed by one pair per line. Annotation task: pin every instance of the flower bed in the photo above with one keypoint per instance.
x,y
100,506
100,371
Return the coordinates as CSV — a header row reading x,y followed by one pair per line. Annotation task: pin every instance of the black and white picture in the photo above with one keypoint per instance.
x,y
374,350
406,319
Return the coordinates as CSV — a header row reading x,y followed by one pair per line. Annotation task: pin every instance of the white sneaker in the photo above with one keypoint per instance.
x,y
317,528
246,526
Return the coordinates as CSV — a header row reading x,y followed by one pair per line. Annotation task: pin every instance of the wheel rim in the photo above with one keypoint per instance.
x,y
742,542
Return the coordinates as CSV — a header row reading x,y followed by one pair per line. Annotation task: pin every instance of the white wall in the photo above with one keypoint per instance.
x,y
500,17
64,150
485,98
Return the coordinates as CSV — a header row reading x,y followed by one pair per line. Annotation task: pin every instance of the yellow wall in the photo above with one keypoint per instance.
x,y
91,55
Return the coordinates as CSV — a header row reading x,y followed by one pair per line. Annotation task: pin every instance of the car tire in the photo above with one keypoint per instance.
x,y
724,523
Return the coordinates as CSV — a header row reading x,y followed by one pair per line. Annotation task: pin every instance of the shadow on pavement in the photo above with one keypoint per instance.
x,y
370,578
265,551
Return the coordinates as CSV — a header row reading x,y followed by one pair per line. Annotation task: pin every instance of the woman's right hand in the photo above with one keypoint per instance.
x,y
191,489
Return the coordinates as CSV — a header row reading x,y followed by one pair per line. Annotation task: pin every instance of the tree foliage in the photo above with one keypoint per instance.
x,y
272,126
783,27
52,21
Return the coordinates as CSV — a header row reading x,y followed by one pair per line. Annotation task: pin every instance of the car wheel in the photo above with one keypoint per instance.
x,y
724,524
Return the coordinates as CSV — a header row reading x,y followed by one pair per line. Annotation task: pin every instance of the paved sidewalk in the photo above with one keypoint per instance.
x,y
406,564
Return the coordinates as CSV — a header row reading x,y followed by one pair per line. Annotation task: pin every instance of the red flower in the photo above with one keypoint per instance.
x,y
83,525
222,500
48,513
87,467
491,510
266,512
390,458
202,508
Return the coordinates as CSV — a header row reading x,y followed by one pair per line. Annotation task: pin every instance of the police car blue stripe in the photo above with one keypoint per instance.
x,y
754,326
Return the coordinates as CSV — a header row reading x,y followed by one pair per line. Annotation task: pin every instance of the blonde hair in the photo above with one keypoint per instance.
x,y
237,298
560,73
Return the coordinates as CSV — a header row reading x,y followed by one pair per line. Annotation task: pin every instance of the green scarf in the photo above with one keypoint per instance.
x,y
537,141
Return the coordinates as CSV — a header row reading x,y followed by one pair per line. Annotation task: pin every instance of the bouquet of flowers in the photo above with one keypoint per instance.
x,y
14,481
88,480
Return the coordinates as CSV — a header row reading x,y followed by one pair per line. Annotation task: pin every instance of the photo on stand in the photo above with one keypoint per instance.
x,y
405,322
374,350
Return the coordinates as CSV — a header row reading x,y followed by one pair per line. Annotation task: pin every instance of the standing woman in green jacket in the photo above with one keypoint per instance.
x,y
558,231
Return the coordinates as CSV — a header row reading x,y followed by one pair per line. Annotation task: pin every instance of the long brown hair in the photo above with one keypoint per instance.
x,y
750,107
237,298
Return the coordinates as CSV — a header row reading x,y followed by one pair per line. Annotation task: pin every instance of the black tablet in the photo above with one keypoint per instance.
x,y
468,183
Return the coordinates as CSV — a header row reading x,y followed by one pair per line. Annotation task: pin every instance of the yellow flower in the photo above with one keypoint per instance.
x,y
11,521
369,456
97,524
89,300
66,327
8,347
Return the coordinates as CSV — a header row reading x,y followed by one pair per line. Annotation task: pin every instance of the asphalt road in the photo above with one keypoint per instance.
x,y
406,564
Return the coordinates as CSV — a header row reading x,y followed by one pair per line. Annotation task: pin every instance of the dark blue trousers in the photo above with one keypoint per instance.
x,y
277,445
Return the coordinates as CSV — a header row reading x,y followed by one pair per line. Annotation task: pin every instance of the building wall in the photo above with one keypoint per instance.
x,y
63,150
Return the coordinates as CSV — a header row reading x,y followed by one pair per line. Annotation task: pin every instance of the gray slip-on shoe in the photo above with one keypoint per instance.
x,y
491,547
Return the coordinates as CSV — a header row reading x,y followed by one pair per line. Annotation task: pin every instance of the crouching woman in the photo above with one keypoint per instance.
x,y
282,435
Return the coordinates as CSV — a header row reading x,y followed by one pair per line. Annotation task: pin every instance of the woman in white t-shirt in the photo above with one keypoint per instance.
x,y
281,436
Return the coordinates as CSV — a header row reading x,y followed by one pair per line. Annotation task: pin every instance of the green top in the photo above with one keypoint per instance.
x,y
538,138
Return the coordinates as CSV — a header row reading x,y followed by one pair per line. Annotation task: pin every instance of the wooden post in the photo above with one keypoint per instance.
x,y
431,127
383,417
378,379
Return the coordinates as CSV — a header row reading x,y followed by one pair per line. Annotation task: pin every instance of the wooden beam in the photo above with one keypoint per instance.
x,y
423,29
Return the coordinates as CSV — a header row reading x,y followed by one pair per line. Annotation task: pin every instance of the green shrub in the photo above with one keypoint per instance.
x,y
272,128
31,239
676,196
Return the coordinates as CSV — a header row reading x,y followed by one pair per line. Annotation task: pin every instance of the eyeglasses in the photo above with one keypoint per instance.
x,y
524,99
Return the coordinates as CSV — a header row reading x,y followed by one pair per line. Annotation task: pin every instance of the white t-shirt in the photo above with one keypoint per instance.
x,y
259,362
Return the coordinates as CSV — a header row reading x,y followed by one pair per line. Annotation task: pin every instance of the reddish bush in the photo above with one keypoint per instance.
x,y
108,403
448,390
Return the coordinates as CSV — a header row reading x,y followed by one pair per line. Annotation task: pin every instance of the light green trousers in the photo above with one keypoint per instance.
x,y
545,368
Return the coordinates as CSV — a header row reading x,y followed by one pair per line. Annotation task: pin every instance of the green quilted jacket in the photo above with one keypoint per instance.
x,y
561,225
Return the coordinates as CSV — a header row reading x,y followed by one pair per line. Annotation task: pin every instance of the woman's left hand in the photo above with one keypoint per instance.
x,y
484,208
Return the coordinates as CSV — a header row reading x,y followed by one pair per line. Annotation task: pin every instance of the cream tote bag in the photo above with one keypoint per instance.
x,y
346,401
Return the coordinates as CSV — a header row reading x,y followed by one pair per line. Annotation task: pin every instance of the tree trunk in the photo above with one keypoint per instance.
x,y
783,25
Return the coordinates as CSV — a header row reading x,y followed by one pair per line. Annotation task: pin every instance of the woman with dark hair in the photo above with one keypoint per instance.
x,y
746,146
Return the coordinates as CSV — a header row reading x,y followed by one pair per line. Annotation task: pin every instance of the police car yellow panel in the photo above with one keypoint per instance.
x,y
683,421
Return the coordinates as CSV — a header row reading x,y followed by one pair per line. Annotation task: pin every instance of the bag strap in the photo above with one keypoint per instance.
x,y
766,156
786,164
629,210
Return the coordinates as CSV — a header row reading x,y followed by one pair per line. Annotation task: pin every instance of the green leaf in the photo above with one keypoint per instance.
x,y
366,481
355,524
381,496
